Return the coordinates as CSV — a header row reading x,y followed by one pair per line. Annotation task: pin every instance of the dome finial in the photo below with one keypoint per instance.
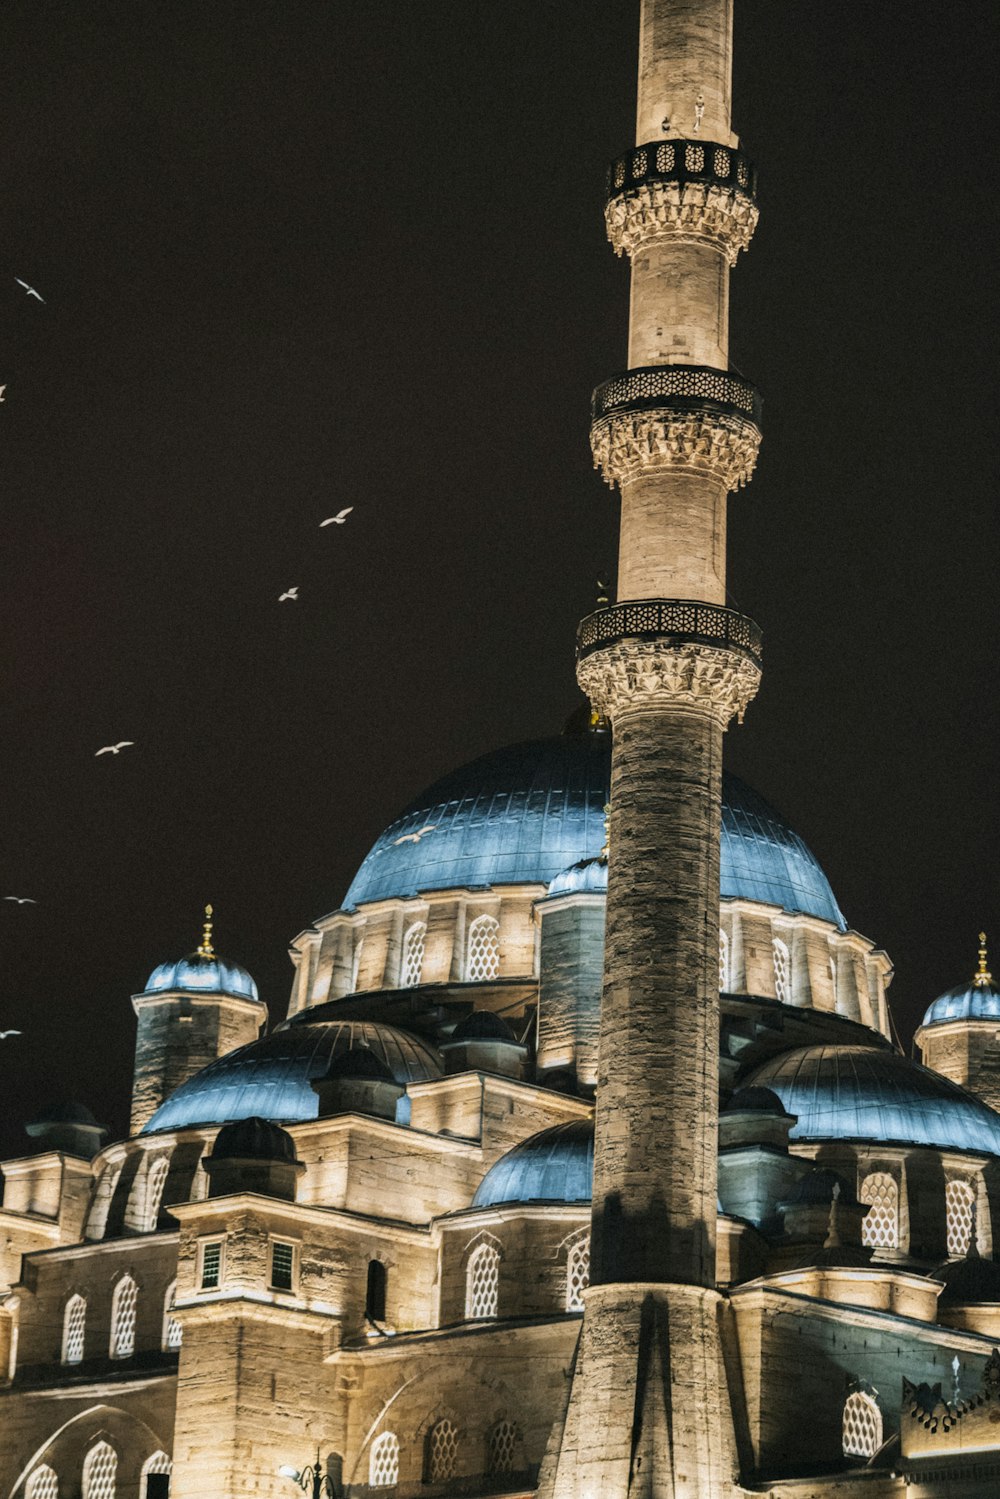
x,y
982,978
206,950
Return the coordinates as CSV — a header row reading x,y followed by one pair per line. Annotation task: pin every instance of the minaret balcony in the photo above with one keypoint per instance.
x,y
676,415
688,191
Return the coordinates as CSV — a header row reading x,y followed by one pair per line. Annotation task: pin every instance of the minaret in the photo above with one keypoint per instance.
x,y
649,1410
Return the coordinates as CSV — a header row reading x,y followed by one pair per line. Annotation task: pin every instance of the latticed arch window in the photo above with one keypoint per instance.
x,y
172,1332
413,954
442,1451
74,1330
958,1209
881,1224
782,971
100,1472
862,1426
123,1318
482,1282
501,1456
156,1180
158,1463
577,1273
383,1462
723,960
483,954
42,1484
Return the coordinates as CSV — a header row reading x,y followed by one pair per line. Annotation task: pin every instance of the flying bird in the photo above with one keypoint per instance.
x,y
29,290
5,1034
22,900
2,389
416,837
290,593
114,749
338,519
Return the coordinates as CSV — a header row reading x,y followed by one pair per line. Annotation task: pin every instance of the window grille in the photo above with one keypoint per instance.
x,y
782,971
723,961
482,1282
577,1274
42,1484
123,1319
413,954
442,1451
172,1331
155,1183
502,1457
484,949
862,1426
211,1265
383,1464
158,1464
958,1204
282,1264
881,1225
74,1330
99,1472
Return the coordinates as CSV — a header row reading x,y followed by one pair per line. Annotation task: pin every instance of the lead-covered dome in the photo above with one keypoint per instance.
x,y
972,1001
556,1165
863,1093
272,1078
198,974
524,814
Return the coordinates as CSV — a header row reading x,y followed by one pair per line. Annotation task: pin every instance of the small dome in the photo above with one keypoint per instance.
x,y
969,1280
556,1165
755,1101
200,975
972,1001
361,1063
483,1025
586,877
865,1093
67,1111
253,1139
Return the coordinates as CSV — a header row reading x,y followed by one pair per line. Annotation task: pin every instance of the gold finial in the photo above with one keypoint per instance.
x,y
206,950
983,977
607,831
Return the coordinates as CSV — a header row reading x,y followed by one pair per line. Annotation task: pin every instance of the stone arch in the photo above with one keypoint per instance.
x,y
482,1277
66,1448
100,1207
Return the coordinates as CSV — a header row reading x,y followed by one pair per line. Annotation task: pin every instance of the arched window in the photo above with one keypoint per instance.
x,y
159,1463
501,1455
383,1463
74,1330
413,954
862,1426
482,1282
156,1180
782,971
97,1220
881,1225
958,1209
483,953
441,1459
375,1291
42,1484
123,1318
577,1273
172,1331
100,1470
723,961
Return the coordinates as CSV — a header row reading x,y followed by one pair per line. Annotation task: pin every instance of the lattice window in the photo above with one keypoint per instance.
x,y
502,1455
694,158
74,1330
723,961
123,1318
577,1273
383,1464
720,162
99,1472
483,960
172,1331
158,1463
958,1208
282,1265
482,1282
638,165
442,1451
155,1183
664,158
862,1426
42,1484
782,971
881,1225
413,954
211,1265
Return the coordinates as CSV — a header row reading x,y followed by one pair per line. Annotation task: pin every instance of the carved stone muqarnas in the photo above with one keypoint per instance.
x,y
704,441
637,675
686,213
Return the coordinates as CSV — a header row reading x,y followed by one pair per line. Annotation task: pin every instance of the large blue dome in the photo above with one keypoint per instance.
x,y
524,814
556,1165
864,1093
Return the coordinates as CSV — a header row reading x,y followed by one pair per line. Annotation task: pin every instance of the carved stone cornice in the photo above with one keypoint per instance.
x,y
684,213
632,676
703,441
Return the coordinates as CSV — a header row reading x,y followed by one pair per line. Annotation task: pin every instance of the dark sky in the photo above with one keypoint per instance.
x,y
299,255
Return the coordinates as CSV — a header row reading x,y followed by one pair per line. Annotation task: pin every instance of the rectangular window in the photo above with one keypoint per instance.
x,y
282,1265
158,1486
211,1265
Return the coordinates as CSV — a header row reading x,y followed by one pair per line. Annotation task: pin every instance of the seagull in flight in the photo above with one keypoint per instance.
x,y
338,519
5,1034
2,389
29,290
114,749
415,837
290,593
22,900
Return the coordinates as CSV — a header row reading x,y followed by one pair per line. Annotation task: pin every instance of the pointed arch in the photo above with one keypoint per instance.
x,y
482,1281
42,1484
413,955
880,1229
482,951
123,1305
100,1472
383,1461
156,1180
503,1448
577,1270
172,1331
862,1425
74,1330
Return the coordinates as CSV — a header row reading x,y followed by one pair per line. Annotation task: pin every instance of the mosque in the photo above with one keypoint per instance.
x,y
584,1162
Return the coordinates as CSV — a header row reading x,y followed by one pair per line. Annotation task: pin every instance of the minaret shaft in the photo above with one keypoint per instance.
x,y
685,56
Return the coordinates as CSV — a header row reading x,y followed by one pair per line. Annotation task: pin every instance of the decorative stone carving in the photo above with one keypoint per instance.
x,y
633,675
712,442
686,213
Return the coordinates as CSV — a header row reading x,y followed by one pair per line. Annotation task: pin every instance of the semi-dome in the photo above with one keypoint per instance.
x,y
271,1078
524,814
556,1165
864,1093
201,975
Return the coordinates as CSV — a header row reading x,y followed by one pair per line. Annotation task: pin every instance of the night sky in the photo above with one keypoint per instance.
x,y
297,256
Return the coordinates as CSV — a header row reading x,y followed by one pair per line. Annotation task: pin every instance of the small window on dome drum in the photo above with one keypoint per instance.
x,y
211,1265
375,1291
282,1265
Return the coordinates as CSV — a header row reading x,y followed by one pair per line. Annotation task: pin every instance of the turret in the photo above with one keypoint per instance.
x,y
959,1035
